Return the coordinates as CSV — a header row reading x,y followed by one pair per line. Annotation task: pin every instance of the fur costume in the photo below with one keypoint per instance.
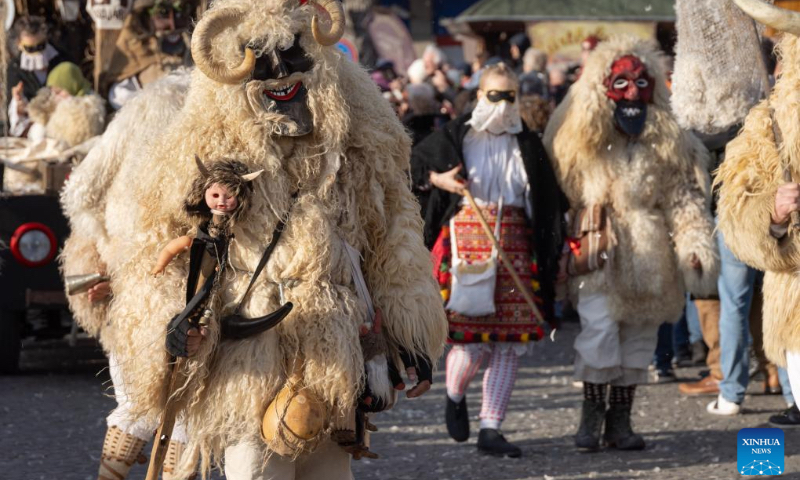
x,y
651,185
353,186
72,120
749,177
92,183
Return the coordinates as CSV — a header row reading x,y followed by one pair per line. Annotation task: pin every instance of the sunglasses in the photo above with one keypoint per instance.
x,y
34,48
497,96
163,9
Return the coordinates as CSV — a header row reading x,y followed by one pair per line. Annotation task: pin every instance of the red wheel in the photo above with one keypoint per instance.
x,y
34,244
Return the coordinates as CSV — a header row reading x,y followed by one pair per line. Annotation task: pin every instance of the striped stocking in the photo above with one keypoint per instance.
x,y
498,382
463,363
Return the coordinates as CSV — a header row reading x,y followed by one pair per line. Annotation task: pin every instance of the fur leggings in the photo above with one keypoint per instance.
x,y
463,363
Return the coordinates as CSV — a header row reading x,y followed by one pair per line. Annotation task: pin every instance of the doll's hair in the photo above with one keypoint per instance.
x,y
226,173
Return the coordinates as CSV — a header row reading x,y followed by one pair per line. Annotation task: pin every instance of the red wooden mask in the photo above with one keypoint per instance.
x,y
629,81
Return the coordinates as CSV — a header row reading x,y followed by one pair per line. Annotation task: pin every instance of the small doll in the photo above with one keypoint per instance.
x,y
219,197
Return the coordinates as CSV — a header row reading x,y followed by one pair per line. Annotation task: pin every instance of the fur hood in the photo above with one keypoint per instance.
x,y
653,188
587,109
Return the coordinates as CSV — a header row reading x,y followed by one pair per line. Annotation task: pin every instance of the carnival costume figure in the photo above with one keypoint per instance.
x,y
759,193
153,41
271,92
89,250
641,233
506,170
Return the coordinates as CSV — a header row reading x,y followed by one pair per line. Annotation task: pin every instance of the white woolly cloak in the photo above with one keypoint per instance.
x,y
351,173
84,199
72,120
652,187
749,178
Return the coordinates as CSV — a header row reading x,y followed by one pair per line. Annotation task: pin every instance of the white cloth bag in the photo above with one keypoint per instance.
x,y
472,285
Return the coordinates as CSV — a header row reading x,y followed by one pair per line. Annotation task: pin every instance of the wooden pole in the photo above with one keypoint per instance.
x,y
177,379
502,254
105,44
98,57
164,432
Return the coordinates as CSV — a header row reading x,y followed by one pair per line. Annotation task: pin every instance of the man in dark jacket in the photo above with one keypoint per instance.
x,y
27,72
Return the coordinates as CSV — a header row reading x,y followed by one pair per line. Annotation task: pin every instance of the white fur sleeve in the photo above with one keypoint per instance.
x,y
749,177
400,271
80,257
692,226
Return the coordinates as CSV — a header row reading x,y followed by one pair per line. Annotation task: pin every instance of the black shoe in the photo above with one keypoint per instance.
x,y
788,418
457,419
492,442
665,376
683,357
588,436
699,353
619,433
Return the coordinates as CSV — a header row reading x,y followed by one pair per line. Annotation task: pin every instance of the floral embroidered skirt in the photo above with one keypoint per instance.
x,y
513,320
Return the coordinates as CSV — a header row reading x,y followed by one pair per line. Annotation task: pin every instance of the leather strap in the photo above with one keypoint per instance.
x,y
276,236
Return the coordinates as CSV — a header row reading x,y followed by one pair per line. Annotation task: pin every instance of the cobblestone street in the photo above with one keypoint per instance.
x,y
52,427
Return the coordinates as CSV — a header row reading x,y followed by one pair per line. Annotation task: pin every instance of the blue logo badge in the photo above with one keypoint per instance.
x,y
760,451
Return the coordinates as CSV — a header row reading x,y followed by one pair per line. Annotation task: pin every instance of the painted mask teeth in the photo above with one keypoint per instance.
x,y
631,112
284,93
281,92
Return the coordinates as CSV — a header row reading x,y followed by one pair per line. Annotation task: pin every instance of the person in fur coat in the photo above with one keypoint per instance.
x,y
759,193
87,250
291,104
65,109
642,234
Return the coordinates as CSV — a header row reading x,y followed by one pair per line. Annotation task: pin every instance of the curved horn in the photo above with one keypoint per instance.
x,y
252,176
201,166
211,25
772,16
336,12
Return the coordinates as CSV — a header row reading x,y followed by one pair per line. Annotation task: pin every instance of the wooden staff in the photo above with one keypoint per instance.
x,y
164,432
502,254
177,379
794,224
105,43
786,161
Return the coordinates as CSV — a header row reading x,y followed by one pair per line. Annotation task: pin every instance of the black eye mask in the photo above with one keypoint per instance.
x,y
631,117
496,96
34,48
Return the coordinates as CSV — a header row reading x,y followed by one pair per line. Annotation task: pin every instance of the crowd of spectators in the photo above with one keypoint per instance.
x,y
434,90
